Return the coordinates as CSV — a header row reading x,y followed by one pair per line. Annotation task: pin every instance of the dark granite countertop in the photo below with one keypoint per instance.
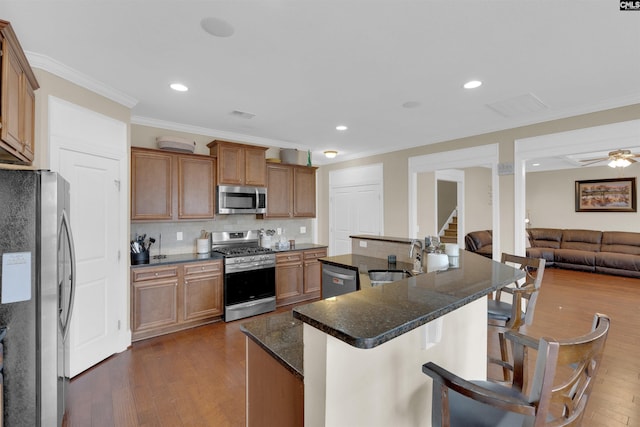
x,y
370,317
301,247
180,258
383,238
364,263
280,335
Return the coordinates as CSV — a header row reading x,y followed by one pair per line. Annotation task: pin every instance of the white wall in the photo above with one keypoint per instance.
x,y
551,200
478,193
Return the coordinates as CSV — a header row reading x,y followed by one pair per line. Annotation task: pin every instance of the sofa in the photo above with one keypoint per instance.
x,y
479,242
610,252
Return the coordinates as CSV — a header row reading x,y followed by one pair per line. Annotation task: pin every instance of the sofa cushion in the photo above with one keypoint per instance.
x,y
618,261
575,256
546,253
620,242
475,240
545,237
582,240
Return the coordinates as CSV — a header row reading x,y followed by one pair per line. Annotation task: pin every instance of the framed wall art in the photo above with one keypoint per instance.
x,y
606,195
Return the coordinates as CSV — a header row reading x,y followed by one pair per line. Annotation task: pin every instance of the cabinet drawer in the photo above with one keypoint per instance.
x,y
319,253
140,274
289,257
209,267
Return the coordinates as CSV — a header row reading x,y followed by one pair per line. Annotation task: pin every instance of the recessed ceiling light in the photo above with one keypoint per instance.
x,y
178,87
341,127
330,154
535,164
472,84
217,27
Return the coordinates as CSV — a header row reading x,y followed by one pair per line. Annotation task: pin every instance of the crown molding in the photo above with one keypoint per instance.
x,y
214,133
59,69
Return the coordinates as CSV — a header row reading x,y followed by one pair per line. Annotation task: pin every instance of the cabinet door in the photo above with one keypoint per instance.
x,y
230,164
203,291
151,185
279,191
289,278
28,119
196,189
255,172
11,108
304,187
154,304
313,271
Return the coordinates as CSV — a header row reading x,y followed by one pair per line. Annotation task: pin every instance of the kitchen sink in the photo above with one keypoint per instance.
x,y
379,277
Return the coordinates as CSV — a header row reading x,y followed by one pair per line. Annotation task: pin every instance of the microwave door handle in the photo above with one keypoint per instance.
x,y
257,200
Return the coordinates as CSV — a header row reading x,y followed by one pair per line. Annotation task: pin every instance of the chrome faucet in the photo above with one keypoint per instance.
x,y
418,260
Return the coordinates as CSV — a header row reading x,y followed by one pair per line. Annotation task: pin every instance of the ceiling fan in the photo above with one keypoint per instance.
x,y
616,159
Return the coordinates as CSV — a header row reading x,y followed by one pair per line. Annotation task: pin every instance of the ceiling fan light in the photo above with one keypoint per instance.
x,y
619,163
330,154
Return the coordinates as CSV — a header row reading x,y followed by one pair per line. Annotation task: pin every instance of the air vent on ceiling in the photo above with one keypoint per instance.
x,y
243,114
518,105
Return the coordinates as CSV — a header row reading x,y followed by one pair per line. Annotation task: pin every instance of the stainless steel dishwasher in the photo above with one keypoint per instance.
x,y
338,280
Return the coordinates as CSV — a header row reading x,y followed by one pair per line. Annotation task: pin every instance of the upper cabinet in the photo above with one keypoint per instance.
x,y
171,186
291,191
17,100
239,164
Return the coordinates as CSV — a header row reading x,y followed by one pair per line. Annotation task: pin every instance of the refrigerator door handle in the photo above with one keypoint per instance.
x,y
64,225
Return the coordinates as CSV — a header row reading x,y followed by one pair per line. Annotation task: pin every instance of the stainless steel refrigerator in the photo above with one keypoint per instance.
x,y
36,296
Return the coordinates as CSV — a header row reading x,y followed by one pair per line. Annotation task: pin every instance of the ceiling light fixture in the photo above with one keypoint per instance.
x,y
472,84
217,27
179,87
330,154
341,127
619,163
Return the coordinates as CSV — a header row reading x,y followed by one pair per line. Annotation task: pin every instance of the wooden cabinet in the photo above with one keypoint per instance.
x,y
239,164
304,192
313,272
279,191
154,299
170,298
298,275
171,186
202,290
275,396
291,191
17,100
289,278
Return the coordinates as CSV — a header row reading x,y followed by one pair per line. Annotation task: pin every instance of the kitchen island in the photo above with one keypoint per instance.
x,y
363,351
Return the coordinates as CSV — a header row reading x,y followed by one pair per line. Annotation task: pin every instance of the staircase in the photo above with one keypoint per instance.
x,y
451,232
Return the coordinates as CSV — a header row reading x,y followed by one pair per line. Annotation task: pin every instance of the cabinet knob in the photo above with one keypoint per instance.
x,y
156,274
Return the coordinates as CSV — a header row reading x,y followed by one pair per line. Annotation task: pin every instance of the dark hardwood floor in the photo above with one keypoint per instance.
x,y
196,377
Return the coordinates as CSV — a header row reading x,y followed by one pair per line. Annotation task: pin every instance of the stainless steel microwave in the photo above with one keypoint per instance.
x,y
237,200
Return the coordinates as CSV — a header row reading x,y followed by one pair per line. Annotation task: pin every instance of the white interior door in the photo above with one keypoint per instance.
x,y
95,194
90,151
355,206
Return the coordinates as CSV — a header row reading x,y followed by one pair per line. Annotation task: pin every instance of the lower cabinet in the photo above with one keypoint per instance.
x,y
298,276
173,297
275,396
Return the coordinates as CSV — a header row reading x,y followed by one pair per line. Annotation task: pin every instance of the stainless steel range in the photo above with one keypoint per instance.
x,y
249,274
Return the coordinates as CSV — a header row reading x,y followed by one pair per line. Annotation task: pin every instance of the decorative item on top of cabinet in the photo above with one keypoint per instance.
x,y
239,164
17,100
171,186
291,191
168,298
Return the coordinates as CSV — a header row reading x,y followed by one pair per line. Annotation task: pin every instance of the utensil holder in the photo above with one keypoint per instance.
x,y
140,258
